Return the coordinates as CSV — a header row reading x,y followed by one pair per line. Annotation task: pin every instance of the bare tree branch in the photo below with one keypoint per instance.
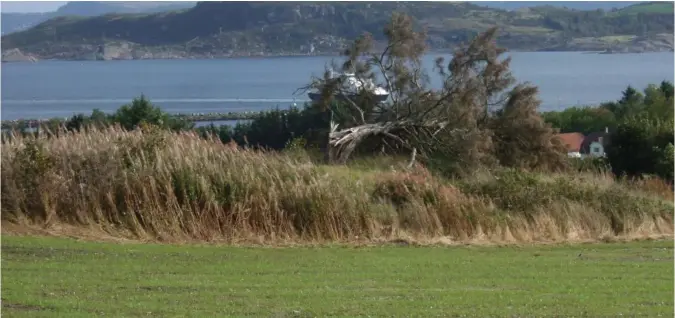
x,y
412,158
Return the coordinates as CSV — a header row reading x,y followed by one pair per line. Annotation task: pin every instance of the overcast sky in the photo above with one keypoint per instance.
x,y
30,6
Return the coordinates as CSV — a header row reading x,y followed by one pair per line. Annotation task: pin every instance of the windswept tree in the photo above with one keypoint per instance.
x,y
456,120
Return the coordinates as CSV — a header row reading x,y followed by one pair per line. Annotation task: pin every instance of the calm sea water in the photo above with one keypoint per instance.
x,y
62,88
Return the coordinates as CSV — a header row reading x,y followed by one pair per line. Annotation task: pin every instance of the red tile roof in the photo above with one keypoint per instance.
x,y
572,141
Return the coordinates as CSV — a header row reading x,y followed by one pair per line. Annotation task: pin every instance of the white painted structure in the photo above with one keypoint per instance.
x,y
574,154
597,149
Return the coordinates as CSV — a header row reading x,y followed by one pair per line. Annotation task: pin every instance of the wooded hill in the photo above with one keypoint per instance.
x,y
267,28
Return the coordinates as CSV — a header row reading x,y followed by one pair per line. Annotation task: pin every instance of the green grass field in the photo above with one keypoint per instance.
x,y
49,277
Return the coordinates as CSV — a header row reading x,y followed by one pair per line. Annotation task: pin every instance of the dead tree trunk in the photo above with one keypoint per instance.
x,y
342,143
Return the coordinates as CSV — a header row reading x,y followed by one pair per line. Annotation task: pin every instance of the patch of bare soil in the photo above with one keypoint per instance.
x,y
23,307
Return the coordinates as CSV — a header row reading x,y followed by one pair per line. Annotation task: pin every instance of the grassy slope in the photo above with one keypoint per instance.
x,y
59,277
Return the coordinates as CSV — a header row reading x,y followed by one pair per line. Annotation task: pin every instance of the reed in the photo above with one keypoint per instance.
x,y
151,184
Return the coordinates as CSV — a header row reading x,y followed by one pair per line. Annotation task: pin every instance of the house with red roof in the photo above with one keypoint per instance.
x,y
580,146
573,143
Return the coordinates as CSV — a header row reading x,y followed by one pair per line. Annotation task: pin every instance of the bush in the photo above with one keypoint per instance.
x,y
141,110
642,145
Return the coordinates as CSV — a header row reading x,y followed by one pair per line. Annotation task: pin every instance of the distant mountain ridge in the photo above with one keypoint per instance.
x,y
575,5
94,8
221,29
12,22
15,21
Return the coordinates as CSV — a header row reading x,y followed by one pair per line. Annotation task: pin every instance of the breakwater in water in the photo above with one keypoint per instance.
x,y
193,117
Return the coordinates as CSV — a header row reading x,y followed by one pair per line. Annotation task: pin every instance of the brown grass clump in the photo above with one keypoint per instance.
x,y
656,186
153,185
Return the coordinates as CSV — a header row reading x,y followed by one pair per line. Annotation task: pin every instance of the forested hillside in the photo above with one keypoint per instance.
x,y
214,29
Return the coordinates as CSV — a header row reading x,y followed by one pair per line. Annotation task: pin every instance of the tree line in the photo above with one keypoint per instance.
x,y
654,100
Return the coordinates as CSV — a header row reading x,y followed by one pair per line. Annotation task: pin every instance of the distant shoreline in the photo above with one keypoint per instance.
x,y
191,117
335,55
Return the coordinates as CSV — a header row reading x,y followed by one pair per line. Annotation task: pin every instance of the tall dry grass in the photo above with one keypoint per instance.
x,y
156,185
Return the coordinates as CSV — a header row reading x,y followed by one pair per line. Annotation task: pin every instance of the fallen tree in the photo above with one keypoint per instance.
x,y
477,95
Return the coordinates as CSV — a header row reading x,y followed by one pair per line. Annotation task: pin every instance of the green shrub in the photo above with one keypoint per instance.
x,y
141,110
642,145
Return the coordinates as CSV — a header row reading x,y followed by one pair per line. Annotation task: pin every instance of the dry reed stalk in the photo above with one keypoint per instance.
x,y
154,185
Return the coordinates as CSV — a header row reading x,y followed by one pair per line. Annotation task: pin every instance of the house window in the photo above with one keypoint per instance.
x,y
596,149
